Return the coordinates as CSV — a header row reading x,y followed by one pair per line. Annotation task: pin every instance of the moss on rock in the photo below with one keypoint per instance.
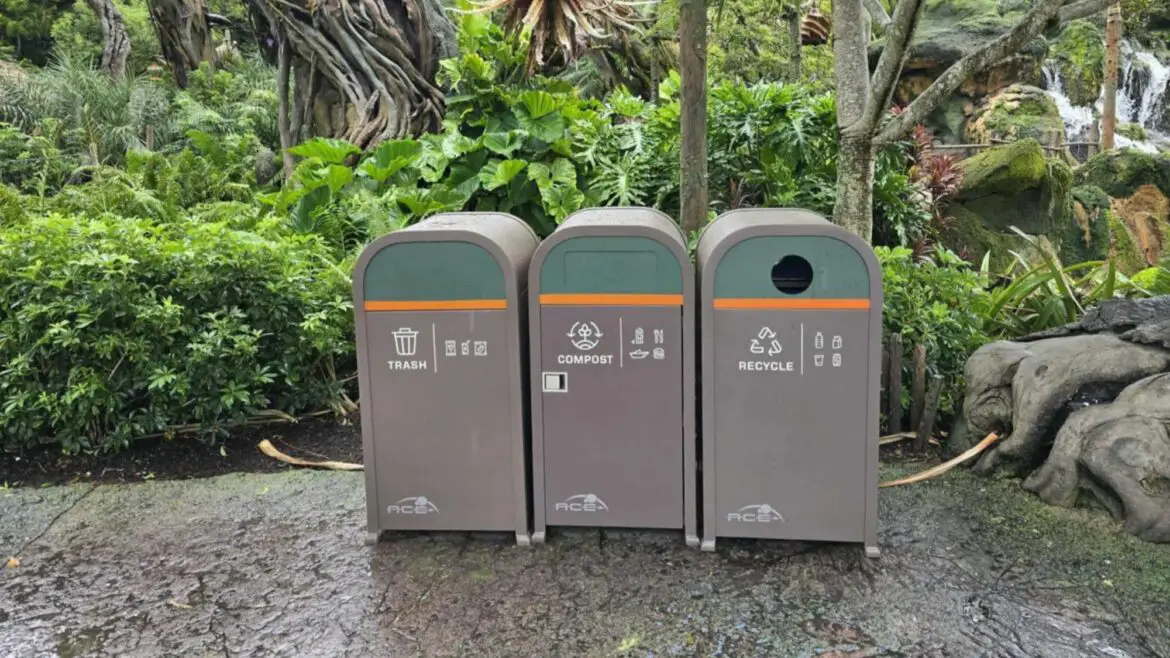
x,y
1120,172
1017,112
1080,56
1087,237
1009,186
1008,169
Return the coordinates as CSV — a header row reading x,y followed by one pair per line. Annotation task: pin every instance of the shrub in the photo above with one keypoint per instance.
x,y
935,303
117,328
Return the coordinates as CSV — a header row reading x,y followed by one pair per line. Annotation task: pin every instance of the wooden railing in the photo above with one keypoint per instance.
x,y
1080,151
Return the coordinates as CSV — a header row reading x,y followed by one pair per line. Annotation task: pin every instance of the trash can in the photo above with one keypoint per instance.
x,y
791,331
439,317
611,317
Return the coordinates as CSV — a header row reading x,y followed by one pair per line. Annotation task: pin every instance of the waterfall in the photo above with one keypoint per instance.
x,y
1077,120
1149,91
1150,113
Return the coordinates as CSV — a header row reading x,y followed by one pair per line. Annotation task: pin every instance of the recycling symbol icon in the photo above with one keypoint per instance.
x,y
766,334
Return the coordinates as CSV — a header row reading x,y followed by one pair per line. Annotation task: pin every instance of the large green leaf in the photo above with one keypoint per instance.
x,y
465,171
303,218
390,157
496,174
538,114
329,151
337,176
504,143
538,103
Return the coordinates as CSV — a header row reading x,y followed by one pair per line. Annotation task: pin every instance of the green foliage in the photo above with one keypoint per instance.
x,y
101,118
78,35
936,303
25,25
1047,294
118,328
749,41
33,163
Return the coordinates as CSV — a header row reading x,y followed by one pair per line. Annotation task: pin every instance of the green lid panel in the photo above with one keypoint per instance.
x,y
611,264
745,271
441,271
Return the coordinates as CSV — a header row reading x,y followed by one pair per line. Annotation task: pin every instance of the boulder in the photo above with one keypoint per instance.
x,y
1119,455
1079,56
1097,233
1137,185
1083,411
1003,187
1121,171
1017,112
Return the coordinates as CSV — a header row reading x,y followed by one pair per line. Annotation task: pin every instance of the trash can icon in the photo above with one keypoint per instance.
x,y
405,341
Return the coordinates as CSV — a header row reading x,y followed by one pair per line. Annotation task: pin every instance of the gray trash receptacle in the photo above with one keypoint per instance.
x,y
439,312
791,331
611,316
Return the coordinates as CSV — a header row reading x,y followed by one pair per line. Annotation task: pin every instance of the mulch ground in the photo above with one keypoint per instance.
x,y
185,457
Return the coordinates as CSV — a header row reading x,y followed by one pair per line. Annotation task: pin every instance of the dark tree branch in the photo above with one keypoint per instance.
x,y
878,13
893,59
218,20
1081,9
946,84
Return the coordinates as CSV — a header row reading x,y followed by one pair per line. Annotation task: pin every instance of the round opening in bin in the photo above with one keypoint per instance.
x,y
792,275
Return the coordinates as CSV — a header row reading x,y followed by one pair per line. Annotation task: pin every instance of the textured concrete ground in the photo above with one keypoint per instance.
x,y
259,565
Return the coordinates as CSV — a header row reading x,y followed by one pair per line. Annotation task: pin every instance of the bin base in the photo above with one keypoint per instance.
x,y
708,546
872,552
538,537
372,538
693,541
524,540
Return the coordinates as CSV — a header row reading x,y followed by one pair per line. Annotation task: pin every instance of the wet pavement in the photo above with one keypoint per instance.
x,y
274,564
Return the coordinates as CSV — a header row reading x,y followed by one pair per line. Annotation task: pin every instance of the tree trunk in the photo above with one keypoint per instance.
x,y
115,41
183,35
364,69
854,208
1112,44
692,25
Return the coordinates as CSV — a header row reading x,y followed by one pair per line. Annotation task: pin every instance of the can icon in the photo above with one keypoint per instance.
x,y
405,341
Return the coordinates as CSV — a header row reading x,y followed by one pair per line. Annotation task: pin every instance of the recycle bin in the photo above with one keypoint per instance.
x,y
439,316
611,318
791,330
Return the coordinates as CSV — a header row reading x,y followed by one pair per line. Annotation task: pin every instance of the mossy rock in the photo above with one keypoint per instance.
x,y
1003,170
1017,112
1080,56
1009,186
1087,237
1121,172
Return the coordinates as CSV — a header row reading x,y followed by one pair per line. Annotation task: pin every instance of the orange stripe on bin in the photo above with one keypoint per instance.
x,y
436,305
577,299
792,304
